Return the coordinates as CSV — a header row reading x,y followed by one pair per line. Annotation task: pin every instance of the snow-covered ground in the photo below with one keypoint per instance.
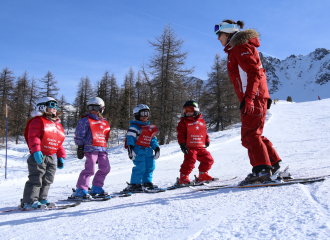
x,y
299,132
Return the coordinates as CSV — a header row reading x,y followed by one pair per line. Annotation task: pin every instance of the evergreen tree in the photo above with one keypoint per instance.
x,y
84,93
19,107
49,88
6,90
218,101
167,67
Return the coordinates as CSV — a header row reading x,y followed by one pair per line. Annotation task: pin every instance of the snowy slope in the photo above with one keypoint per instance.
x,y
300,133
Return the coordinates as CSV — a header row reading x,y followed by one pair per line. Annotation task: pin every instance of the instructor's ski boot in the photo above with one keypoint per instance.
x,y
184,179
204,177
149,185
47,203
262,176
133,188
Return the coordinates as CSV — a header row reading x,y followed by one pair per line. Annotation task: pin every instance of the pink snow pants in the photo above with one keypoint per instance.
x,y
104,169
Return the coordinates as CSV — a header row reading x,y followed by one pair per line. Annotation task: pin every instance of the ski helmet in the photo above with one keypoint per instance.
x,y
194,104
45,102
96,101
226,28
138,109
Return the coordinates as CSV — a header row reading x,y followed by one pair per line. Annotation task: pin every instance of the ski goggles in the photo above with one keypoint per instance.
x,y
218,27
144,114
189,109
96,108
52,105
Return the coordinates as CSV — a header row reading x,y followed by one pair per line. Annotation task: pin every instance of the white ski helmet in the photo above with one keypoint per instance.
x,y
138,108
42,103
96,101
226,27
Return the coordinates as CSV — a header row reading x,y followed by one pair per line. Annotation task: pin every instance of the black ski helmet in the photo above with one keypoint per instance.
x,y
194,104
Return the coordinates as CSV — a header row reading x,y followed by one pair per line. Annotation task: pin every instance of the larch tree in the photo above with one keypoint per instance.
x,y
49,86
167,66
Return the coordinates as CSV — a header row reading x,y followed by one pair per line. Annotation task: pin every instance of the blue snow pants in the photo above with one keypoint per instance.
x,y
144,165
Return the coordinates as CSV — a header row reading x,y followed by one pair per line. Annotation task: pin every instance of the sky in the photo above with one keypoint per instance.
x,y
75,39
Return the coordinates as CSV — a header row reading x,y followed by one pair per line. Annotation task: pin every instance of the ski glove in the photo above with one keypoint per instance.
x,y
80,152
131,153
207,145
247,105
38,157
184,148
60,163
157,153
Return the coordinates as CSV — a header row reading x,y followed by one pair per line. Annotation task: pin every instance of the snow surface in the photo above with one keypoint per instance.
x,y
299,132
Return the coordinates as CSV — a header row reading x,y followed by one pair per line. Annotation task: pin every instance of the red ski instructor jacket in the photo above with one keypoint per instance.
x,y
244,66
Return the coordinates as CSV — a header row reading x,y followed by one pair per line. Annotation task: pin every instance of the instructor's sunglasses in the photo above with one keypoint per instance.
x,y
52,105
96,108
144,114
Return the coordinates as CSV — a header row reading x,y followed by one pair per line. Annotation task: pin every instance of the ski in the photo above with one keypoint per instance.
x,y
57,207
269,184
307,178
195,183
155,190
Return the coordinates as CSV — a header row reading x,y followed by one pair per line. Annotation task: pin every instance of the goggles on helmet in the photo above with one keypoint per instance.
x,y
144,113
52,105
218,27
188,109
96,108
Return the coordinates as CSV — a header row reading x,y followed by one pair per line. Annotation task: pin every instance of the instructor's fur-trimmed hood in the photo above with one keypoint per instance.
x,y
245,36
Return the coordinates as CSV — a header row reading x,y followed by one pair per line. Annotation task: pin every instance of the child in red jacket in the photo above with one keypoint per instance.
x,y
193,140
44,135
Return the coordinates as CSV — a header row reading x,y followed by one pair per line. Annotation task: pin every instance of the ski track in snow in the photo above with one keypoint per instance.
x,y
300,134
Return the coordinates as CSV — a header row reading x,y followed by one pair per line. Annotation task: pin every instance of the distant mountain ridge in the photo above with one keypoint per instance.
x,y
304,78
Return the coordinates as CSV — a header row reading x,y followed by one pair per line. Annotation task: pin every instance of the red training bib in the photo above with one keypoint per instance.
x,y
53,136
148,132
100,132
196,133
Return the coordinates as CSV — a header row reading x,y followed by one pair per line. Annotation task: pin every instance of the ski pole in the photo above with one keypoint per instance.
x,y
6,143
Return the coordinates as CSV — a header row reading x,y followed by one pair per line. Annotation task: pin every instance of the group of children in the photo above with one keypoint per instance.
x,y
44,136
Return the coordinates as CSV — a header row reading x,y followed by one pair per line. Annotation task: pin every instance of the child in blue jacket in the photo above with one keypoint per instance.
x,y
141,142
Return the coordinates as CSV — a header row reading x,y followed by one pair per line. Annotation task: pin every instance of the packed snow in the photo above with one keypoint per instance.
x,y
300,134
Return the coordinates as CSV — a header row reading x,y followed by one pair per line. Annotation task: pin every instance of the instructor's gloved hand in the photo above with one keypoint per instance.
x,y
131,153
157,153
249,105
184,148
38,156
60,163
80,152
207,144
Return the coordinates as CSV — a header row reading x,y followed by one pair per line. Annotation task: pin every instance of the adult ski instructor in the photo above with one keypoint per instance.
x,y
250,82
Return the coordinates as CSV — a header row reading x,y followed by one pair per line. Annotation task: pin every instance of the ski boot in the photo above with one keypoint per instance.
x,y
47,203
32,206
275,167
98,191
204,177
149,185
184,179
80,194
263,176
133,188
